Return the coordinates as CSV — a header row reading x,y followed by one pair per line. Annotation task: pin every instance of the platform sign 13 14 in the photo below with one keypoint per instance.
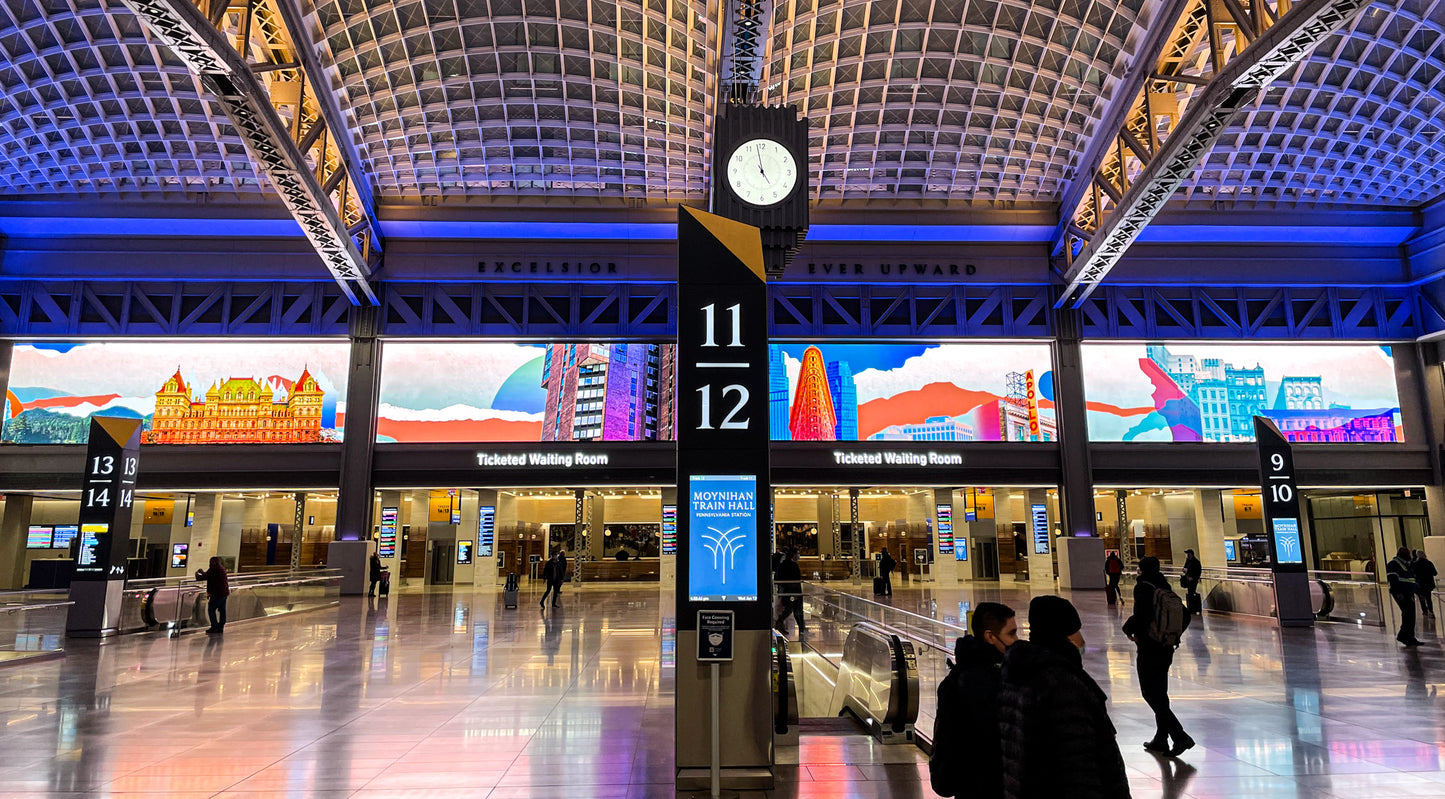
x,y
112,462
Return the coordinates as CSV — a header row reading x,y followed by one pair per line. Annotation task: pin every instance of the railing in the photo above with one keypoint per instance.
x,y
175,603
1351,597
32,624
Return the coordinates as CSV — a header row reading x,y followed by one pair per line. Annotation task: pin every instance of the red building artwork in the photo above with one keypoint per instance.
x,y
812,416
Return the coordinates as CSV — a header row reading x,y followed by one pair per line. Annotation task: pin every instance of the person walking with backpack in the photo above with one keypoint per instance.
x,y
1053,721
1403,589
966,760
788,581
1114,568
554,574
1156,625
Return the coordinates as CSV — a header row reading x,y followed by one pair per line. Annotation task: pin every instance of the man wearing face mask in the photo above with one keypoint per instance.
x,y
966,759
1054,726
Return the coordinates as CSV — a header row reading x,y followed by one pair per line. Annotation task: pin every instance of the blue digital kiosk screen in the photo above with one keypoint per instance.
x,y
1287,547
722,537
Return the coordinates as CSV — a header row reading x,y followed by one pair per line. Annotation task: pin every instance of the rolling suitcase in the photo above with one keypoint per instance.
x,y
385,587
878,587
509,593
1194,603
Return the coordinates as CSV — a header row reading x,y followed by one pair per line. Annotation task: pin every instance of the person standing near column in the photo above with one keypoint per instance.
x,y
1114,569
1189,581
1158,620
218,588
1403,588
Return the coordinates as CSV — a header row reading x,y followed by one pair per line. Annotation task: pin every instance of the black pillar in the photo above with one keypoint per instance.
x,y
355,499
1076,495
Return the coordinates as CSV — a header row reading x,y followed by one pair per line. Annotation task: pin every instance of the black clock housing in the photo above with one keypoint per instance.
x,y
785,224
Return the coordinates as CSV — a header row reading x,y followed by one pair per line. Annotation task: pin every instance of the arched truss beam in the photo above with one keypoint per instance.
x,y
1178,115
290,133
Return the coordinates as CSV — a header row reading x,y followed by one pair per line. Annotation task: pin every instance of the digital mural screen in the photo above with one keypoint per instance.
x,y
722,537
503,391
910,392
1187,392
185,392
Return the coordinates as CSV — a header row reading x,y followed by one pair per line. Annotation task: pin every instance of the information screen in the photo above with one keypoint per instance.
x,y
38,537
486,530
64,534
464,553
722,538
91,538
669,529
960,548
386,546
945,528
1229,552
1287,547
180,553
1039,517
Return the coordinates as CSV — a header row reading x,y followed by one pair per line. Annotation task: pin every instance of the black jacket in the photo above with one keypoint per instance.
x,y
789,577
887,564
375,571
1401,576
1054,728
1192,570
966,757
1137,624
1425,573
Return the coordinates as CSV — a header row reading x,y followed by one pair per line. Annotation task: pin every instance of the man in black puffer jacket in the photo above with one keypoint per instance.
x,y
966,760
1054,727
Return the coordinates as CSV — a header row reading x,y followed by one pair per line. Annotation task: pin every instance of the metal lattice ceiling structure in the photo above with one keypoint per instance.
x,y
94,105
988,100
573,97
1361,121
991,102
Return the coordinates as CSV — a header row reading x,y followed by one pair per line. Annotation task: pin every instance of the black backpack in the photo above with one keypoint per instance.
x,y
944,767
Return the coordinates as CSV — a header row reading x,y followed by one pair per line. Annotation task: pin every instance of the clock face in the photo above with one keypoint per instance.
x,y
762,172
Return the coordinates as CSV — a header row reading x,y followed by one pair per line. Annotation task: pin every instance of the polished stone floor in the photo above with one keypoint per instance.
x,y
439,694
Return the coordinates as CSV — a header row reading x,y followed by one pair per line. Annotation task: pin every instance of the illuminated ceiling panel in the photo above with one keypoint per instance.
x,y
485,97
95,106
975,100
1360,122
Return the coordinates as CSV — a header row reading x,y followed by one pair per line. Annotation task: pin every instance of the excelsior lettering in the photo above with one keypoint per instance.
x,y
547,268
565,460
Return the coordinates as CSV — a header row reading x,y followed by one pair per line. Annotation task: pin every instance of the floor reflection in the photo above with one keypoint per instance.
x,y
446,693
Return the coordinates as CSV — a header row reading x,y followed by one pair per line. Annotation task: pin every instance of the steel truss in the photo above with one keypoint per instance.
x,y
242,51
861,310
69,309
1222,55
59,310
1286,313
614,312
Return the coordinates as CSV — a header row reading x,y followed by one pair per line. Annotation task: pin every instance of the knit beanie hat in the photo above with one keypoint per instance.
x,y
1051,618
1149,565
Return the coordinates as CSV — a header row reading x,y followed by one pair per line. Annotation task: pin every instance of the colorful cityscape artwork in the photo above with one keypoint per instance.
x,y
494,391
910,392
186,392
1211,393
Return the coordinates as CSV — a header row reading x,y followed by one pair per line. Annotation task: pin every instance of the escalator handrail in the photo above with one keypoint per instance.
x,y
900,682
784,666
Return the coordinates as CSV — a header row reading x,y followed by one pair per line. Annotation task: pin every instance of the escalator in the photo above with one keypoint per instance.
x,y
864,684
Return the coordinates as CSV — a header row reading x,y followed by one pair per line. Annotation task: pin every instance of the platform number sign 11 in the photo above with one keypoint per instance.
x,y
1279,495
733,398
107,500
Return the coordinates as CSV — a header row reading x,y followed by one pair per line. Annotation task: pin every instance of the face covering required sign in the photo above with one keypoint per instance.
x,y
722,538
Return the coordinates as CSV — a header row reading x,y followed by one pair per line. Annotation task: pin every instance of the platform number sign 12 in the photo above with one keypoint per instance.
x,y
733,398
112,464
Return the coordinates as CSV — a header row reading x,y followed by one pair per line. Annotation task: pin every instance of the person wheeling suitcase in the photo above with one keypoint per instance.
x,y
885,568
